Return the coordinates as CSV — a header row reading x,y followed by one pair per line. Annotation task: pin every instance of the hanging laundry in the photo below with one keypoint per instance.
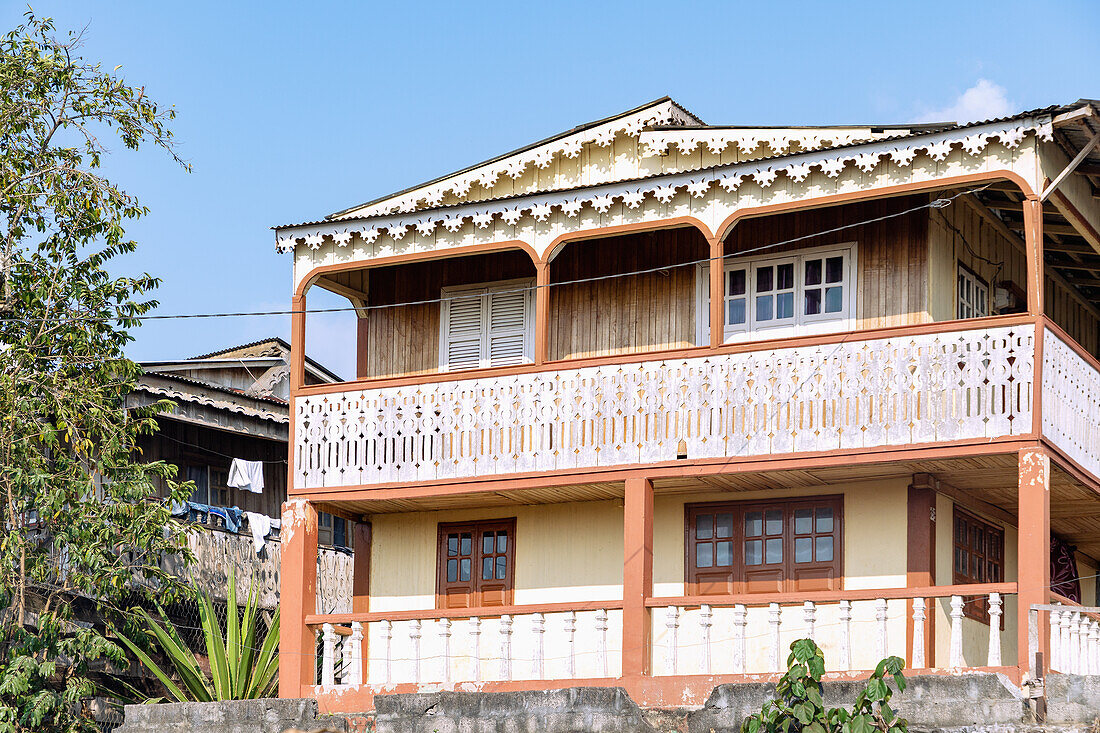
x,y
247,475
261,526
231,515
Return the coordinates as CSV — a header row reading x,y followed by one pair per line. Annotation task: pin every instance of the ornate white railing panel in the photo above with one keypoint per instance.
x,y
1071,402
856,394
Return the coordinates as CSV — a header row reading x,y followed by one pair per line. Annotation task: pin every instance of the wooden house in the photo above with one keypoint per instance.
x,y
641,403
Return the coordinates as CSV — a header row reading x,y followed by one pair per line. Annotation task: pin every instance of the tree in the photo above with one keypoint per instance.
x,y
799,706
83,528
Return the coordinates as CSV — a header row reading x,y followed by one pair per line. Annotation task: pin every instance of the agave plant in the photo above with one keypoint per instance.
x,y
239,670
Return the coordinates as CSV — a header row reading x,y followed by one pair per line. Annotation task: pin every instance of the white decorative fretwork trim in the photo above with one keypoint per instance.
x,y
867,157
762,142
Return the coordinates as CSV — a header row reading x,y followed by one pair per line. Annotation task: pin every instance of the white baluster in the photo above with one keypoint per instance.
x,y
506,647
994,658
445,634
387,657
475,632
672,623
740,621
1055,640
845,616
705,621
1094,651
809,618
345,659
414,637
1067,642
880,616
355,641
1082,643
1075,643
919,616
570,633
601,641
956,656
328,656
538,625
773,638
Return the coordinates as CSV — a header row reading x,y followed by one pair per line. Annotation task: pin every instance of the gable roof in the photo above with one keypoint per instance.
x,y
273,346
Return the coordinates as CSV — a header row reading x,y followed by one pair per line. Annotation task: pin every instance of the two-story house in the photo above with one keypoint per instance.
x,y
641,403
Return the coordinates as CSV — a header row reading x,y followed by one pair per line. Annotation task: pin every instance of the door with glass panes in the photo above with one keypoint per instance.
x,y
476,564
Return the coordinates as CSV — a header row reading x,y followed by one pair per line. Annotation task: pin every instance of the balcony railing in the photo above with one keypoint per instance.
x,y
727,635
913,386
1071,400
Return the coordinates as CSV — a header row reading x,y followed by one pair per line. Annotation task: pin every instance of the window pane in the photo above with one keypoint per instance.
x,y
487,568
502,542
824,549
785,276
452,571
784,305
824,519
704,526
773,522
834,269
736,314
763,307
960,561
813,302
803,549
704,555
487,543
803,521
754,524
764,282
834,299
736,282
975,572
724,555
452,544
467,544
502,567
813,272
773,551
464,569
724,526
752,552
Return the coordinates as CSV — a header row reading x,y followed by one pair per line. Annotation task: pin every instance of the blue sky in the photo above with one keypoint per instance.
x,y
292,110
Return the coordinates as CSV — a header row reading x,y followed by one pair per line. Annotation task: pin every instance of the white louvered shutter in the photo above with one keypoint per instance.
x,y
507,318
464,331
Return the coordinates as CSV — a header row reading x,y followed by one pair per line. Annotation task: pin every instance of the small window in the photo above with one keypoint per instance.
x,y
476,564
487,325
979,549
973,294
777,546
332,531
809,292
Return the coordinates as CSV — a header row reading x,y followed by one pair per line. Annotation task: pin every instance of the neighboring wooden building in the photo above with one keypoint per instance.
x,y
641,403
233,404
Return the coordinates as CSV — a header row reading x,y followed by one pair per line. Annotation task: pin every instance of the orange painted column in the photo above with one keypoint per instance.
x,y
637,575
360,580
542,312
1033,552
298,597
1033,240
717,293
921,560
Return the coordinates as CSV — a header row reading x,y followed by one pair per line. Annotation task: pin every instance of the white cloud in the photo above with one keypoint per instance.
x,y
983,101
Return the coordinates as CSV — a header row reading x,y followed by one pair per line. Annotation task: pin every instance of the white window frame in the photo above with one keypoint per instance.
x,y
488,287
801,324
978,287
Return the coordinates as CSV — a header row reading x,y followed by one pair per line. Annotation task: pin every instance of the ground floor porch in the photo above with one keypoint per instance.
x,y
671,585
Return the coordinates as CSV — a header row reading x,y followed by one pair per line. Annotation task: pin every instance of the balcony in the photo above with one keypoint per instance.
x,y
936,384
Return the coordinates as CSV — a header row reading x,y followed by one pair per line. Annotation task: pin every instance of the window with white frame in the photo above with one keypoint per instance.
x,y
810,291
490,324
973,294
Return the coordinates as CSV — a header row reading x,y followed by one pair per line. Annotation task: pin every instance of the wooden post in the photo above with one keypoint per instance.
x,y
920,571
297,344
717,293
360,584
1033,552
637,575
1033,239
542,312
298,597
362,346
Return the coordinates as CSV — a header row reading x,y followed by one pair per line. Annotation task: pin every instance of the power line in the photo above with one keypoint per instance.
x,y
939,203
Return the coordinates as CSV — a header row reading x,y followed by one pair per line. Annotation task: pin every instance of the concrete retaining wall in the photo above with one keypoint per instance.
x,y
236,716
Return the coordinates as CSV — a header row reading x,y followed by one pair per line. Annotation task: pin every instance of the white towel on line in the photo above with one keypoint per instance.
x,y
247,475
261,526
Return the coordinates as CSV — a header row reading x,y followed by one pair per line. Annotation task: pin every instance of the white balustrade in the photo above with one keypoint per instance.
x,y
506,647
1056,640
809,617
994,657
601,641
882,637
705,622
956,654
773,637
414,637
538,626
387,636
1067,642
1071,402
445,636
328,655
475,635
914,389
355,641
919,617
845,618
570,636
740,621
672,646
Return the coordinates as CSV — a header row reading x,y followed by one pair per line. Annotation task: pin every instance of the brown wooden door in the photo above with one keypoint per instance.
x,y
476,564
